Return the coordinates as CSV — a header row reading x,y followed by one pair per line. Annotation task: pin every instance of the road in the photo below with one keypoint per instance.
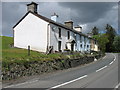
x,y
100,74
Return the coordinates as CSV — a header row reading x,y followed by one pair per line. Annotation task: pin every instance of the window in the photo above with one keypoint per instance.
x,y
68,34
59,32
87,46
81,45
59,46
95,42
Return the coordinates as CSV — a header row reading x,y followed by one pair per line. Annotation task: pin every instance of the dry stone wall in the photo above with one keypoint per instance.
x,y
17,70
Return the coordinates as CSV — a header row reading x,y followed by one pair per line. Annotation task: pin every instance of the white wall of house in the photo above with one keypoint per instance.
x,y
94,45
31,31
87,44
82,43
78,48
54,37
96,48
38,34
72,37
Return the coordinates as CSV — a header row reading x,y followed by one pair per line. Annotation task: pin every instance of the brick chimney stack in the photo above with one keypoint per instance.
x,y
69,24
78,28
32,7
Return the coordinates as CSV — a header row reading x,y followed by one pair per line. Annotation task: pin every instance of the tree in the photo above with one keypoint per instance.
x,y
95,31
102,40
116,44
110,33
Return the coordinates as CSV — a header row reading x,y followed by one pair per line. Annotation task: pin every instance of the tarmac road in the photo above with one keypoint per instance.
x,y
100,74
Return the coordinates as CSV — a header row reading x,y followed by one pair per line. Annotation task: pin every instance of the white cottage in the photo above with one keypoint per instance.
x,y
47,35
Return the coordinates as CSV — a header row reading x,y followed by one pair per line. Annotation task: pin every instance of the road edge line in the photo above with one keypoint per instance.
x,y
101,68
117,85
67,82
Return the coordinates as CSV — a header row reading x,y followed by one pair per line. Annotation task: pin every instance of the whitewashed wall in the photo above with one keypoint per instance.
x,y
37,33
78,48
31,31
88,44
96,48
54,37
82,49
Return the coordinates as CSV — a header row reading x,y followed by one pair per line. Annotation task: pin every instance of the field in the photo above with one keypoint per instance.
x,y
16,62
11,54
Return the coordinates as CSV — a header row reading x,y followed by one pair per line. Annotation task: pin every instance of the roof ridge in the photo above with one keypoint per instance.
x,y
50,21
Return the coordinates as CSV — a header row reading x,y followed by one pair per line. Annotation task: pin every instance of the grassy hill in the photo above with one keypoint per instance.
x,y
10,53
6,41
16,63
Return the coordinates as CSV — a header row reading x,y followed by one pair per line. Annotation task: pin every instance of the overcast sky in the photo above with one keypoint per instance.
x,y
86,14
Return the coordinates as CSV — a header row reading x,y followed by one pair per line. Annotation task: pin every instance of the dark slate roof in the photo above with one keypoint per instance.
x,y
50,21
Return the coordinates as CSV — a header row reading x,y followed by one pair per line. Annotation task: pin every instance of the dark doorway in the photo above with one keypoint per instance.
x,y
59,46
72,46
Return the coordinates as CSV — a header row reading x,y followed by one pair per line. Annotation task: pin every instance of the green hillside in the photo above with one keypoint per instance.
x,y
10,53
6,41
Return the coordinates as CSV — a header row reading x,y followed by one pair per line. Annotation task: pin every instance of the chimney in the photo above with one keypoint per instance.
x,y
78,28
32,7
69,24
54,17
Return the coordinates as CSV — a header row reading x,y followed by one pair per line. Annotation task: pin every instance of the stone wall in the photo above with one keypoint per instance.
x,y
38,67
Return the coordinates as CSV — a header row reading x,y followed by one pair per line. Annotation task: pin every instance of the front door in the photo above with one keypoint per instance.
x,y
72,46
59,46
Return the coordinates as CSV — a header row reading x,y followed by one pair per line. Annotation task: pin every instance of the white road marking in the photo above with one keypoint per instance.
x,y
104,57
111,62
117,85
20,84
115,57
101,69
106,66
67,82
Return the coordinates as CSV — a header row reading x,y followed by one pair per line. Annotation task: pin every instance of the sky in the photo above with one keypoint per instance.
x,y
85,14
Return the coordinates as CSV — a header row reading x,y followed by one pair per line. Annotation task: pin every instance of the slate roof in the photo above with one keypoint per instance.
x,y
50,21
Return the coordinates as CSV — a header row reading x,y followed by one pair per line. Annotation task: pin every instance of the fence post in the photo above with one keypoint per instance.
x,y
28,50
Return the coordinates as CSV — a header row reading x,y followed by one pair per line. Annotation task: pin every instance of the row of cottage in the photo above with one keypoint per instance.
x,y
47,35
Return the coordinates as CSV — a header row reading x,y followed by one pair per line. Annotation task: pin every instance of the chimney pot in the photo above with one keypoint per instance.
x,y
54,17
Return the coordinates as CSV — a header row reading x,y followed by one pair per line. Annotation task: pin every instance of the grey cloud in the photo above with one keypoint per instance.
x,y
88,11
90,14
11,13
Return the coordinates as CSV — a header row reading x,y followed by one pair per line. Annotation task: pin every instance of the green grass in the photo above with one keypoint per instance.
x,y
6,41
17,55
9,53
